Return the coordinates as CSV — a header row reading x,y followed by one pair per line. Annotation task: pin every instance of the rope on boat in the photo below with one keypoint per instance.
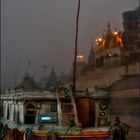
x,y
80,133
63,138
1,127
3,131
9,136
51,135
27,133
16,133
72,124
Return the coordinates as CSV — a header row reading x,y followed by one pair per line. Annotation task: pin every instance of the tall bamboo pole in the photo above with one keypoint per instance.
x,y
76,43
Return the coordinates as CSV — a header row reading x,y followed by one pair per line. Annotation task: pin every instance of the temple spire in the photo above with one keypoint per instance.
x,y
115,29
108,26
28,72
52,79
91,59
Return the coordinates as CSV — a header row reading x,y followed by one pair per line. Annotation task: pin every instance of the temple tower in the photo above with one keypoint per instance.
x,y
91,64
109,51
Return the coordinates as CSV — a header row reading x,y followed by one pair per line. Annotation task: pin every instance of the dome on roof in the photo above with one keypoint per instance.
x,y
27,83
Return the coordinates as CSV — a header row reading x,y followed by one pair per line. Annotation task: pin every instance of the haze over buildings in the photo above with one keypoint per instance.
x,y
43,31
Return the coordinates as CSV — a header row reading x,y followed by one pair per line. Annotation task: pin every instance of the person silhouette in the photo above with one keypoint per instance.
x,y
118,129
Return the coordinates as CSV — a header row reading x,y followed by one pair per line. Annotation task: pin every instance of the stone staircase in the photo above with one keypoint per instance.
x,y
100,78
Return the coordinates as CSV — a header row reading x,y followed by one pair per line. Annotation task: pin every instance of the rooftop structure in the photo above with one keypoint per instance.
x,y
27,83
132,28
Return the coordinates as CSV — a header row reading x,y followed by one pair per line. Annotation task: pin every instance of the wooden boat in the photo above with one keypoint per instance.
x,y
12,131
66,121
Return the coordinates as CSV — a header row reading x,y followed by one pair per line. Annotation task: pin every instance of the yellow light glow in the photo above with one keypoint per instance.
x,y
100,39
115,33
80,56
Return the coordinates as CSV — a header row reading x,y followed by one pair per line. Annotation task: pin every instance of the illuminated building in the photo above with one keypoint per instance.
x,y
109,51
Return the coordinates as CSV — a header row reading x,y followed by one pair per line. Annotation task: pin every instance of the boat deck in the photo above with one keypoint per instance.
x,y
42,132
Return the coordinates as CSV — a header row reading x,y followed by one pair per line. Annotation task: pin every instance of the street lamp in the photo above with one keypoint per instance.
x,y
76,42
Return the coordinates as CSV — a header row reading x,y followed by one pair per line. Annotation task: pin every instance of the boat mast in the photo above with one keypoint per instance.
x,y
139,62
76,43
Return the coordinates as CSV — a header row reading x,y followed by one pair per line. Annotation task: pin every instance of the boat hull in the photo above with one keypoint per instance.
x,y
13,131
43,135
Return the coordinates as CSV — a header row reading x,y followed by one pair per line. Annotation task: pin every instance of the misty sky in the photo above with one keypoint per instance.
x,y
44,31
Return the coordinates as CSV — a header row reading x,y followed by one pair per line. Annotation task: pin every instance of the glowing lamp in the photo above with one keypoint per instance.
x,y
115,33
100,39
80,56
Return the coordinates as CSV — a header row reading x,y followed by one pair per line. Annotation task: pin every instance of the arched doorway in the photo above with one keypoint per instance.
x,y
30,114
